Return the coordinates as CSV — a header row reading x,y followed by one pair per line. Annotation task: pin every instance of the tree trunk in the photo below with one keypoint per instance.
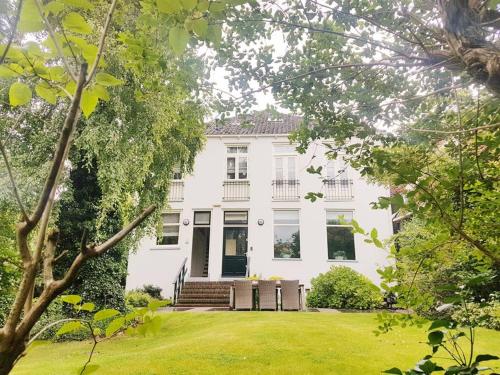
x,y
468,41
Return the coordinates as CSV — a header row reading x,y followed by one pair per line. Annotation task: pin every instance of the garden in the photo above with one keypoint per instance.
x,y
103,102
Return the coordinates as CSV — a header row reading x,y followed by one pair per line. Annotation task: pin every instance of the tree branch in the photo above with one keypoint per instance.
x,y
13,183
12,31
54,40
58,161
101,42
475,129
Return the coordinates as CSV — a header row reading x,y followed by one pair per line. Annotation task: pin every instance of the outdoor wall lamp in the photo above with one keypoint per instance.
x,y
185,221
260,221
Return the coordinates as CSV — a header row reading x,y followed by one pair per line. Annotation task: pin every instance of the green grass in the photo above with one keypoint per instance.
x,y
248,343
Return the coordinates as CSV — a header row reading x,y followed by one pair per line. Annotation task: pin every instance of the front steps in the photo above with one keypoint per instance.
x,y
205,294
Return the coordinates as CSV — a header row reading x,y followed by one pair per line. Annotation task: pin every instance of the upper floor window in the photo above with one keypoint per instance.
x,y
237,162
339,235
285,168
337,169
170,229
176,173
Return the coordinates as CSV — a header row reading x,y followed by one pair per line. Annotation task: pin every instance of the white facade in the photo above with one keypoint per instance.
x,y
204,191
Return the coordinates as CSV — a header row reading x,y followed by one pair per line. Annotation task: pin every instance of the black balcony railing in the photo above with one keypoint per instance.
x,y
286,190
338,189
236,190
176,193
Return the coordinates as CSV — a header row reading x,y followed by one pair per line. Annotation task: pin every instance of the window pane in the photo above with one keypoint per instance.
x,y
279,168
242,149
232,150
340,243
291,168
284,149
172,218
330,169
169,240
235,241
338,217
286,217
286,241
342,169
231,168
171,230
234,217
202,218
242,168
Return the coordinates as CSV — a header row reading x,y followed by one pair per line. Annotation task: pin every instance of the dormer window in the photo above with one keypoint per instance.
x,y
237,162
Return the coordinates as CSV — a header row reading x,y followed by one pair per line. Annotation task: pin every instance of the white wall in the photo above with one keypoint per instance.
x,y
158,265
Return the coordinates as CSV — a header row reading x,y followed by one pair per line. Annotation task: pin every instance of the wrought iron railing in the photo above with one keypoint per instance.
x,y
338,189
286,190
236,190
179,281
176,193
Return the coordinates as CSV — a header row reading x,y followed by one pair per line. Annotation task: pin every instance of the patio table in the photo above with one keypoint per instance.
x,y
255,287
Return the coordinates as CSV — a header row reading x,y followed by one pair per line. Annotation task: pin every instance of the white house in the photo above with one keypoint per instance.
x,y
243,212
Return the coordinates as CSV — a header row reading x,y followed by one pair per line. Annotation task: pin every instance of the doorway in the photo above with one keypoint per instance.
x,y
201,244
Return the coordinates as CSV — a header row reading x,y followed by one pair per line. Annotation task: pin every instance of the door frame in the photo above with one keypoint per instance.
x,y
209,225
236,225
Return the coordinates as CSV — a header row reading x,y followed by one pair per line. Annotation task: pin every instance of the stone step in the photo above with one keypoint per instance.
x,y
204,301
218,306
204,295
206,291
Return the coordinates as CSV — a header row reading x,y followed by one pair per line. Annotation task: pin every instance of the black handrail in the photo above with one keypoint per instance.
x,y
179,281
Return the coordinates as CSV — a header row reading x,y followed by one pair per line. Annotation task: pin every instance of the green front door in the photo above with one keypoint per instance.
x,y
235,244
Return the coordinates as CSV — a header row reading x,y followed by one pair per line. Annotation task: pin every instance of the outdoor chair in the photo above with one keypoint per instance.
x,y
243,295
267,295
290,297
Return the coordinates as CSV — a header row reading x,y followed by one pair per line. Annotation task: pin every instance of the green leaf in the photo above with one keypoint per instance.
x,y
69,327
83,4
200,27
203,5
114,326
217,6
106,79
19,94
88,306
89,102
189,4
5,72
178,39
105,314
441,323
169,6
435,338
214,34
46,93
485,357
393,370
55,7
71,298
76,23
101,92
30,20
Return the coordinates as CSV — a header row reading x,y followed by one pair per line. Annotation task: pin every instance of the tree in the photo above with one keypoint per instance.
x,y
64,63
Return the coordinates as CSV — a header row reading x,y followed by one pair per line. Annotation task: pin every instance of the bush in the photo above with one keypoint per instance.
x,y
486,314
137,298
152,290
343,288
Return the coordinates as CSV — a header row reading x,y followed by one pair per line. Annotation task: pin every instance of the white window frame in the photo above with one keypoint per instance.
x,y
236,157
349,211
285,157
337,165
177,170
287,225
176,246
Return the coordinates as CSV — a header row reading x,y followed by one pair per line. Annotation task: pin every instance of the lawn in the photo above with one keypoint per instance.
x,y
248,343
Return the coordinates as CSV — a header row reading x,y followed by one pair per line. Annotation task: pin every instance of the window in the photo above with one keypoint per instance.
x,y
286,234
235,233
170,229
337,169
284,162
340,239
237,163
176,173
202,218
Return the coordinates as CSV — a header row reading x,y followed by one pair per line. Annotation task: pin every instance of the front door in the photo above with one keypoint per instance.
x,y
235,245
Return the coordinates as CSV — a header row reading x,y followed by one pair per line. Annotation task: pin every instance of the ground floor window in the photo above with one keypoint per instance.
x,y
339,236
286,234
170,229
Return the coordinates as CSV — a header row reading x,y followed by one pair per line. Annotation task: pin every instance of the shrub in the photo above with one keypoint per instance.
x,y
137,298
343,288
486,314
152,290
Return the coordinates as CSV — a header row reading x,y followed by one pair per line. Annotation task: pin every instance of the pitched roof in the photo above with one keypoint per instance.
x,y
263,122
